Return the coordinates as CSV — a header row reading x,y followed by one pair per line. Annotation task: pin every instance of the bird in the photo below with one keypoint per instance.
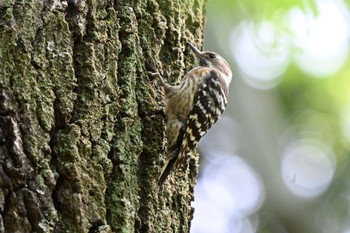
x,y
193,106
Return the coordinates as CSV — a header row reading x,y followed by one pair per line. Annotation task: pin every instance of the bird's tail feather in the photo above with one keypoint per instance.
x,y
166,171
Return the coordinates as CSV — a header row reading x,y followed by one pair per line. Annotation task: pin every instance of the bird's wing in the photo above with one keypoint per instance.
x,y
208,104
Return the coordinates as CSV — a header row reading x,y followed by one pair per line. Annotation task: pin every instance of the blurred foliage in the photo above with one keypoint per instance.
x,y
259,9
313,107
317,104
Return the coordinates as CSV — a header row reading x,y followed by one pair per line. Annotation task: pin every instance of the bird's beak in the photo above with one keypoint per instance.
x,y
196,51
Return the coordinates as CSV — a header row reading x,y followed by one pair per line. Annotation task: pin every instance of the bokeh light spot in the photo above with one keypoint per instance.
x,y
232,188
321,40
261,52
307,170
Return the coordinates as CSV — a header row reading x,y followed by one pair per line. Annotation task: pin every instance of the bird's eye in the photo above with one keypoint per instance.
x,y
212,56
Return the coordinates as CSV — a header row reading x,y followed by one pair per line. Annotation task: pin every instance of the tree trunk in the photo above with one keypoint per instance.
x,y
81,123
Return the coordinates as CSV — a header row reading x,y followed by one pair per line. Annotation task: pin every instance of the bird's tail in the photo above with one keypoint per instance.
x,y
166,171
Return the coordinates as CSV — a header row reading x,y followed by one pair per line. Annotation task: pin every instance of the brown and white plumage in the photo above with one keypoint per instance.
x,y
194,105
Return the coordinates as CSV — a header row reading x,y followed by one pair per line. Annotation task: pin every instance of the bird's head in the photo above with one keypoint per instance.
x,y
213,60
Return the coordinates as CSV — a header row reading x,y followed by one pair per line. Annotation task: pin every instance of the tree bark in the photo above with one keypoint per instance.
x,y
81,123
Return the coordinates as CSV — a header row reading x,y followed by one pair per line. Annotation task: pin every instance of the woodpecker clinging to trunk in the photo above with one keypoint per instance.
x,y
194,105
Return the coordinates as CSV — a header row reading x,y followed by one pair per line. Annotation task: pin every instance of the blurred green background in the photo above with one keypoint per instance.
x,y
278,159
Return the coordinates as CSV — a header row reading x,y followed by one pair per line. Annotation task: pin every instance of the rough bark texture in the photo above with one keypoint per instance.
x,y
81,123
